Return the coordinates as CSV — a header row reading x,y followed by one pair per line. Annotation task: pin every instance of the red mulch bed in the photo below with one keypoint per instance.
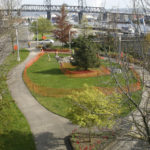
x,y
80,140
57,50
85,73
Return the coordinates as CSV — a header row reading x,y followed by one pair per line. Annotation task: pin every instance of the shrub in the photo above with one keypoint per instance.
x,y
90,107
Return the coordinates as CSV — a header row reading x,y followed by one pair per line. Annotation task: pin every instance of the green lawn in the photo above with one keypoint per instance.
x,y
48,74
15,132
56,105
60,105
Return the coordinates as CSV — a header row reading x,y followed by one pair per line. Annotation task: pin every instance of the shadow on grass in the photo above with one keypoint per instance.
x,y
15,140
50,71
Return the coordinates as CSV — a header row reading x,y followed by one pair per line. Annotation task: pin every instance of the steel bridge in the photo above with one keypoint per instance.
x,y
80,9
56,8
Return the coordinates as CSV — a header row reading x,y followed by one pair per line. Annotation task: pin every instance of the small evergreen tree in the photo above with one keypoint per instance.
x,y
85,53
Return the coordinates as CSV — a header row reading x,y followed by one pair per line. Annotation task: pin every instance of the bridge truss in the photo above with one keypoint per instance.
x,y
56,8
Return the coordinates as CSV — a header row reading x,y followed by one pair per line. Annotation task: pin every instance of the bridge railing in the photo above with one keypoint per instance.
x,y
56,8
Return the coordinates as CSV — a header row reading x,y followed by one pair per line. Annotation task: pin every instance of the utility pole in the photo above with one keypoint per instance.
x,y
18,55
119,48
70,39
37,33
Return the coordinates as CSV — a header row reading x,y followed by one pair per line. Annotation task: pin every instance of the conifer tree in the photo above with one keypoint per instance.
x,y
85,54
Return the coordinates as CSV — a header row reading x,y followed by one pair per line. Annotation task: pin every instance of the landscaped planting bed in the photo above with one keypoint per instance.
x,y
48,73
97,141
50,85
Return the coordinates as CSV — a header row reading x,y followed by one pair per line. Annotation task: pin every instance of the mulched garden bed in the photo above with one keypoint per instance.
x,y
65,68
80,140
57,50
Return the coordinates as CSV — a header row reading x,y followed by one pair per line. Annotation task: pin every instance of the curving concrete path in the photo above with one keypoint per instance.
x,y
49,130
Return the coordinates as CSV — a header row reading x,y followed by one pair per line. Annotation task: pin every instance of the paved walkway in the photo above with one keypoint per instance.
x,y
49,130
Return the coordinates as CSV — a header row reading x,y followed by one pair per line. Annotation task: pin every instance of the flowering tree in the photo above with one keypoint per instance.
x,y
63,27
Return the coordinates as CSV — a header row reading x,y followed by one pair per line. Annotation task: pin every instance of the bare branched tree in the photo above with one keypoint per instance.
x,y
9,5
10,18
135,50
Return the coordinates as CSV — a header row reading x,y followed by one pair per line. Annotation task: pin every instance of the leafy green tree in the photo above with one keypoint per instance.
x,y
85,53
42,25
85,26
90,108
109,43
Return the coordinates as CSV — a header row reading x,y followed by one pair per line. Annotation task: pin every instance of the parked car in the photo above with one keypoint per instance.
x,y
47,41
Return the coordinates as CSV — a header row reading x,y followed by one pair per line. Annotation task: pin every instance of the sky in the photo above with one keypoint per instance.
x,y
97,3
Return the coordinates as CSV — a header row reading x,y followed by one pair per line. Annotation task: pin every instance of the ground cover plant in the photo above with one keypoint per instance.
x,y
15,132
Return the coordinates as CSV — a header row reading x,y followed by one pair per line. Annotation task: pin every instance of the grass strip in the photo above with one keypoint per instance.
x,y
15,132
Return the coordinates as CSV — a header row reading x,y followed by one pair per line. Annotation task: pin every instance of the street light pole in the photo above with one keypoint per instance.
x,y
18,55
69,40
37,38
28,33
119,47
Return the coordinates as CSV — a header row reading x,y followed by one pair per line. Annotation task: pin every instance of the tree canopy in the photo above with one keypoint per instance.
x,y
42,25
63,27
